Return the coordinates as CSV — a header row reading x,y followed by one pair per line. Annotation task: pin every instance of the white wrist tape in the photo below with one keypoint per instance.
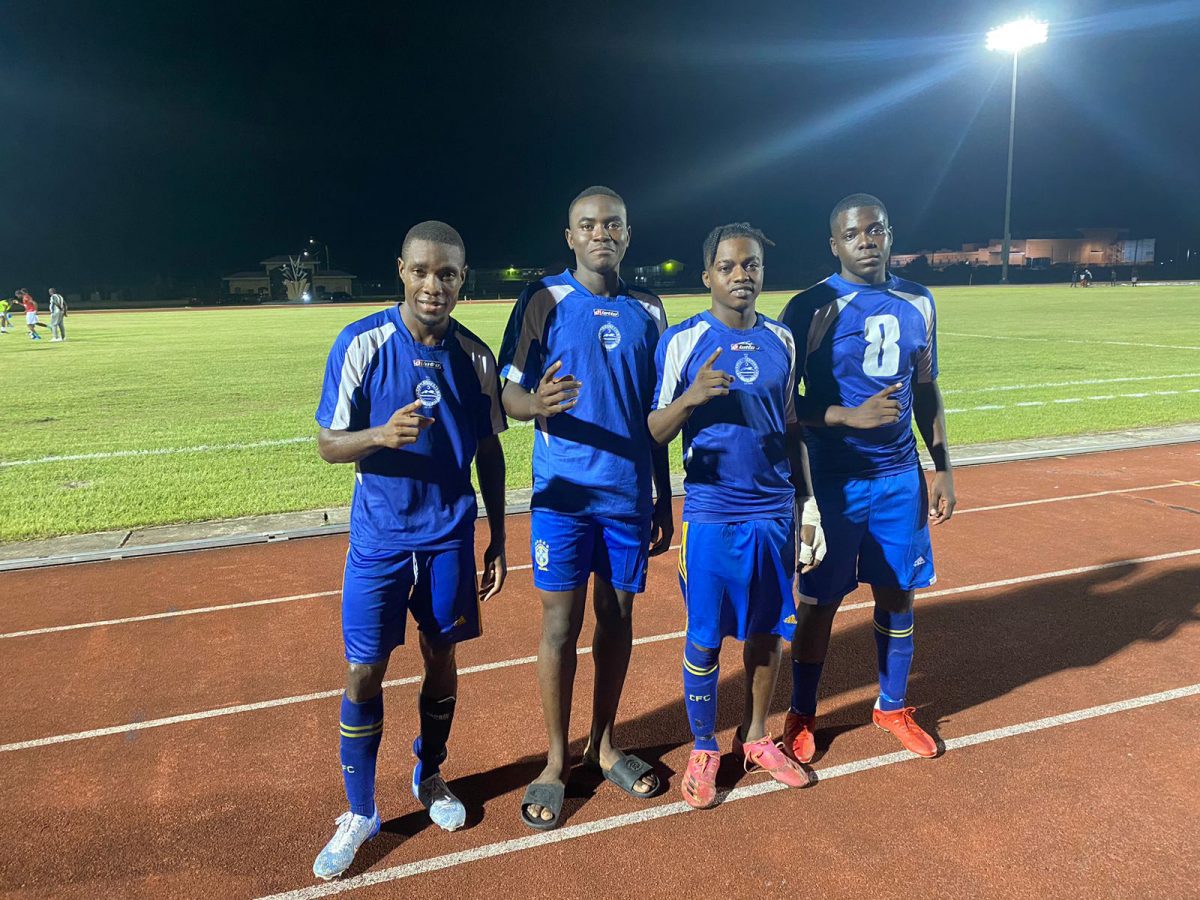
x,y
811,515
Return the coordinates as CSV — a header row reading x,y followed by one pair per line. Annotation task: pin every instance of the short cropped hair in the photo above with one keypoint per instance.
x,y
436,233
854,201
732,230
596,190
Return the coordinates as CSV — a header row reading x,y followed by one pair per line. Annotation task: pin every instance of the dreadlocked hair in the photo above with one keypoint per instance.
x,y
732,230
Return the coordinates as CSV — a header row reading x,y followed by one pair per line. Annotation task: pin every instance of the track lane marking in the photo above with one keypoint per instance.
x,y
54,629
528,660
570,832
1021,503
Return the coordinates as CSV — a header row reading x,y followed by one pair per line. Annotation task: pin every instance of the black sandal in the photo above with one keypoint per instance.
x,y
627,772
547,796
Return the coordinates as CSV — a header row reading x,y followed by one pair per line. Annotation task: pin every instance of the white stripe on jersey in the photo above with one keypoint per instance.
x,y
358,356
654,306
485,370
785,335
533,327
823,320
925,360
678,351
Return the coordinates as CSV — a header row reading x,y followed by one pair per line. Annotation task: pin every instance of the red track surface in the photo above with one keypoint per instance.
x,y
239,802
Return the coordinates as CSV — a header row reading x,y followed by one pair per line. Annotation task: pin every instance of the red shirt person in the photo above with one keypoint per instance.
x,y
31,319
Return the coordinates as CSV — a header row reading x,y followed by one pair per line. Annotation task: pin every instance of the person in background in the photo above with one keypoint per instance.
x,y
31,318
58,312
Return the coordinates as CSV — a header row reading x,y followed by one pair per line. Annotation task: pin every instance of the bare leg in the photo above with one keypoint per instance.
x,y
760,656
562,620
611,647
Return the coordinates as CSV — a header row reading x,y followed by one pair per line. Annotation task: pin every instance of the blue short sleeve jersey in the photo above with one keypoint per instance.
x,y
417,497
595,458
734,447
852,341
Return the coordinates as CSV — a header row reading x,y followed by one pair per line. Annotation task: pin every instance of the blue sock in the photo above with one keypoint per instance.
x,y
805,678
701,670
362,730
894,642
430,747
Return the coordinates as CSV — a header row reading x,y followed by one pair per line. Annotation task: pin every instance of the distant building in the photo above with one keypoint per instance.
x,y
664,275
267,282
485,284
1097,247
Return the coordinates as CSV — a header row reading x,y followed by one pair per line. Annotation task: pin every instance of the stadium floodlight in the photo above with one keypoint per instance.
x,y
1013,38
1016,36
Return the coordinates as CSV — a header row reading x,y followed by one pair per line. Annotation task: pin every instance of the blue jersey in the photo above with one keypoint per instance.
x,y
594,458
852,341
734,448
418,497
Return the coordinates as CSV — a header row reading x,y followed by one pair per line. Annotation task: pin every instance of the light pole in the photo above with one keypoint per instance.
x,y
1013,38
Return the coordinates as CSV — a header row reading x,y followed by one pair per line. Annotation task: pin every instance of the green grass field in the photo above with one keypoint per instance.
x,y
233,385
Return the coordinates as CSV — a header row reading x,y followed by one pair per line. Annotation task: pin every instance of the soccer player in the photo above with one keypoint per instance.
x,y
867,347
5,319
578,357
58,311
411,397
31,317
727,379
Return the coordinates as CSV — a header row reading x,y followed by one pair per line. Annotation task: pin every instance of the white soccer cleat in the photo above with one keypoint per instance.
x,y
446,810
353,831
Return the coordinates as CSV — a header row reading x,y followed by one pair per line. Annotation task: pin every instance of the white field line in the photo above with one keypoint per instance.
x,y
52,629
570,832
160,451
1054,384
1062,400
513,423
528,660
1041,340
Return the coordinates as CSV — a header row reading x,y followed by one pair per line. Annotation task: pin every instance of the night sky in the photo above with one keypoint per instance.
x,y
190,140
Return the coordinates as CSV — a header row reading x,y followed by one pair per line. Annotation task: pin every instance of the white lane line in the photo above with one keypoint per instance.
x,y
1093,398
1053,384
570,832
1020,503
1042,340
168,615
528,660
160,451
52,629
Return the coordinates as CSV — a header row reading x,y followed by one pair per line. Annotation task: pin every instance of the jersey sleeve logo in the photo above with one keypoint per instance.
x,y
541,554
610,336
746,369
429,393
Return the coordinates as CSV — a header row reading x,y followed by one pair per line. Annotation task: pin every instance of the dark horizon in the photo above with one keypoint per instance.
x,y
187,144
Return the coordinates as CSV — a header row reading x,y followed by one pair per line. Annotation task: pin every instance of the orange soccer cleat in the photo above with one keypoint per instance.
x,y
764,755
900,723
798,737
699,785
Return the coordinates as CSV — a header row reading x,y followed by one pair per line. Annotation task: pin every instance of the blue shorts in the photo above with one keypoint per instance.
x,y
567,549
736,579
381,587
876,532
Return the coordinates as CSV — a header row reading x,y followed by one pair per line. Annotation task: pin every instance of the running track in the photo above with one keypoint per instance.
x,y
175,754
